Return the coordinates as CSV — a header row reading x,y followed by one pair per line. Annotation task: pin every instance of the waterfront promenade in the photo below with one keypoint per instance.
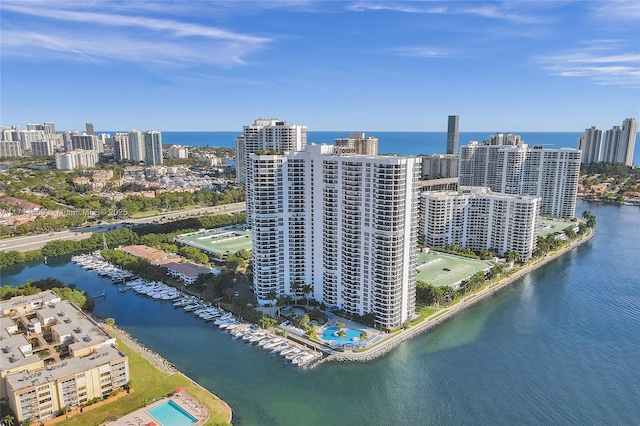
x,y
444,314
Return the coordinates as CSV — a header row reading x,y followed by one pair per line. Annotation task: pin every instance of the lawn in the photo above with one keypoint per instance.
x,y
441,269
424,311
221,246
149,383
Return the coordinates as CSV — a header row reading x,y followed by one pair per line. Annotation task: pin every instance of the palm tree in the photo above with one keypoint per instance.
x,y
363,336
271,296
306,289
341,334
294,287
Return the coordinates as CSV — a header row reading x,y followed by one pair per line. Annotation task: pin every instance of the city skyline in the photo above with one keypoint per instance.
x,y
374,66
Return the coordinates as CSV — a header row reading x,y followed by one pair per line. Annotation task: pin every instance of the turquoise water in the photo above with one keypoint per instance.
x,y
171,414
558,347
329,334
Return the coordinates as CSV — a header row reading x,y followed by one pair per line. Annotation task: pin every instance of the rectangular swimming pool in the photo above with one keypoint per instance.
x,y
171,414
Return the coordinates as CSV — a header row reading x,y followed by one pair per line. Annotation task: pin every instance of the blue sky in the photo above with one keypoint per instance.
x,y
330,65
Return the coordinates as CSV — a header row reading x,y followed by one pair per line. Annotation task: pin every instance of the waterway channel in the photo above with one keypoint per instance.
x,y
560,346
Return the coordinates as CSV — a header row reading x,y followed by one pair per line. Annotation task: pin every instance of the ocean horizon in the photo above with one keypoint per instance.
x,y
402,143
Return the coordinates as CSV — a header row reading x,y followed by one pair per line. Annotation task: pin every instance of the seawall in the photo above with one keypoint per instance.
x,y
441,316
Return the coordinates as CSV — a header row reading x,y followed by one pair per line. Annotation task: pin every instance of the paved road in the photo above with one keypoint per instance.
x,y
33,242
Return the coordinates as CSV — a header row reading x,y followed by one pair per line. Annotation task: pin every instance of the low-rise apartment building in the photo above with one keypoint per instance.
x,y
53,356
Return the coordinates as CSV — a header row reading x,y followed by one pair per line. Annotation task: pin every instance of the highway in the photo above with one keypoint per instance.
x,y
33,242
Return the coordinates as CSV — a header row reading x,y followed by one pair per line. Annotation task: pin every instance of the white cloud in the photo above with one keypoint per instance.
x,y
421,52
616,10
94,47
503,11
605,62
89,35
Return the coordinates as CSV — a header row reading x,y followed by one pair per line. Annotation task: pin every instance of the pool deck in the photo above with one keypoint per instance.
x,y
140,417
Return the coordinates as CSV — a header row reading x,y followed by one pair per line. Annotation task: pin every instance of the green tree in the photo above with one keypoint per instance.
x,y
304,321
110,322
272,295
8,419
341,334
306,290
363,336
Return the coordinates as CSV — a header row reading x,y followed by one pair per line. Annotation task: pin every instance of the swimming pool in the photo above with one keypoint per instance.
x,y
353,334
171,414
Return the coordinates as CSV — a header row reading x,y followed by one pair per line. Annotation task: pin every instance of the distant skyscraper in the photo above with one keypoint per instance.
x,y
89,129
49,128
10,148
31,126
439,166
358,143
267,135
619,143
452,134
86,142
41,148
551,174
121,147
153,147
590,143
136,146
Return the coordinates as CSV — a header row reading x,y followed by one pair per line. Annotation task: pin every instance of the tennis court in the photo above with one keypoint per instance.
x,y
442,269
218,240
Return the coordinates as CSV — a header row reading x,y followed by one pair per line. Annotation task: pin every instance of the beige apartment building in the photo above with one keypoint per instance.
x,y
53,356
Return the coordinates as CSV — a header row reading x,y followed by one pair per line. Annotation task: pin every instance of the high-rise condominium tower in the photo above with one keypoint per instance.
x,y
136,146
89,129
590,143
620,142
268,136
479,219
345,225
452,134
153,147
121,147
551,174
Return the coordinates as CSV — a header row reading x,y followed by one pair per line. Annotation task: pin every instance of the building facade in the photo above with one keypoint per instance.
x,y
41,148
439,166
358,143
178,151
452,134
9,148
551,174
137,148
479,219
121,147
620,142
590,144
82,362
153,147
84,141
268,135
344,224
79,159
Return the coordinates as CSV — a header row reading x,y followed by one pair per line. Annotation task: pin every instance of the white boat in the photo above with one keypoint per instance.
x,y
272,343
285,351
293,354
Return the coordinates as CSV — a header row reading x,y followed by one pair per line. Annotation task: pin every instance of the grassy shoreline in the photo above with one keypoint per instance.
x,y
150,384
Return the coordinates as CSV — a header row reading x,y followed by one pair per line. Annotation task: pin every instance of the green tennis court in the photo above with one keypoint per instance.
x,y
218,240
442,269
